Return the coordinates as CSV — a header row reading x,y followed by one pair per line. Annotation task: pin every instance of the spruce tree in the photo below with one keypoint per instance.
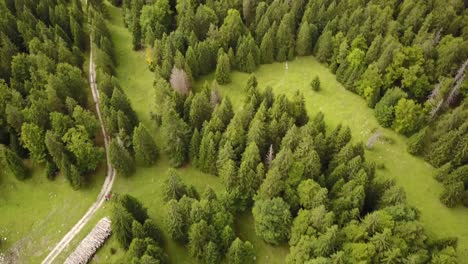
x,y
304,40
144,146
200,111
267,46
223,69
120,158
194,147
241,252
324,47
247,55
177,138
15,164
285,39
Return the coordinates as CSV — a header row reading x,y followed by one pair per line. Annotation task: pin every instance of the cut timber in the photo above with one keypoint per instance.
x,y
92,242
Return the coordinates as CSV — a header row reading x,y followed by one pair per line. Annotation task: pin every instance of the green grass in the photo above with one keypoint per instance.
x,y
342,106
339,106
36,213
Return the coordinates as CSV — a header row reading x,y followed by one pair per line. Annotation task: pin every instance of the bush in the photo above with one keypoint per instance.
x,y
315,84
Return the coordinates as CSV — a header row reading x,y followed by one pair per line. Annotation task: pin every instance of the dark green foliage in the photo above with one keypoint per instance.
x,y
416,142
285,39
122,225
223,68
304,40
267,46
173,188
177,135
323,49
120,158
15,164
146,151
200,110
247,55
315,84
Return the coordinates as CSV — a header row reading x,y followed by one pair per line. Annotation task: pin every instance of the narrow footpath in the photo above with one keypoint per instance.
x,y
109,181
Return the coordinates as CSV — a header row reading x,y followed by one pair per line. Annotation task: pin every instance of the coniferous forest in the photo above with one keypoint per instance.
x,y
167,116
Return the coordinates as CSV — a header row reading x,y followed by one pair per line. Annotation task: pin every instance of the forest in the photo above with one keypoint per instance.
x,y
195,150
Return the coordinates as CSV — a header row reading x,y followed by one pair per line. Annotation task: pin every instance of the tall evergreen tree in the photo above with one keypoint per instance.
x,y
120,158
15,164
144,146
177,138
223,68
304,40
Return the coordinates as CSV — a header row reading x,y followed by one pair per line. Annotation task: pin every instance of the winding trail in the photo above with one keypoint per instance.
x,y
109,181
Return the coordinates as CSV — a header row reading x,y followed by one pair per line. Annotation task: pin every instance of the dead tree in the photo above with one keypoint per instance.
x,y
458,81
436,108
270,156
435,91
374,138
180,81
215,97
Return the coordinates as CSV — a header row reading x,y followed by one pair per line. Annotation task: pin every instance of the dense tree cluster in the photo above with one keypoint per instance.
x,y
205,224
43,105
306,186
136,232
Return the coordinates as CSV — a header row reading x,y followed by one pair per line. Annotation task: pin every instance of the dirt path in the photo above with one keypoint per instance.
x,y
107,186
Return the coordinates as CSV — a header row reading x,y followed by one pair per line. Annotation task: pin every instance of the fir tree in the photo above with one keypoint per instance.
x,y
145,148
15,164
120,158
304,40
223,69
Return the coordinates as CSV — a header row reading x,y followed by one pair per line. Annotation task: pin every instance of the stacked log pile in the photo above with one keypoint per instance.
x,y
92,242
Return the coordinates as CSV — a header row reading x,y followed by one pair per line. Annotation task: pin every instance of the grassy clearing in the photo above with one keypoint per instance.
x,y
342,106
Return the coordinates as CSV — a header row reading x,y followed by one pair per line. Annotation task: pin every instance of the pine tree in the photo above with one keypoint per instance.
x,y
192,61
324,47
223,69
15,164
136,27
194,147
285,39
200,111
177,138
173,187
258,129
120,158
241,252
144,146
122,225
267,46
247,55
304,40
